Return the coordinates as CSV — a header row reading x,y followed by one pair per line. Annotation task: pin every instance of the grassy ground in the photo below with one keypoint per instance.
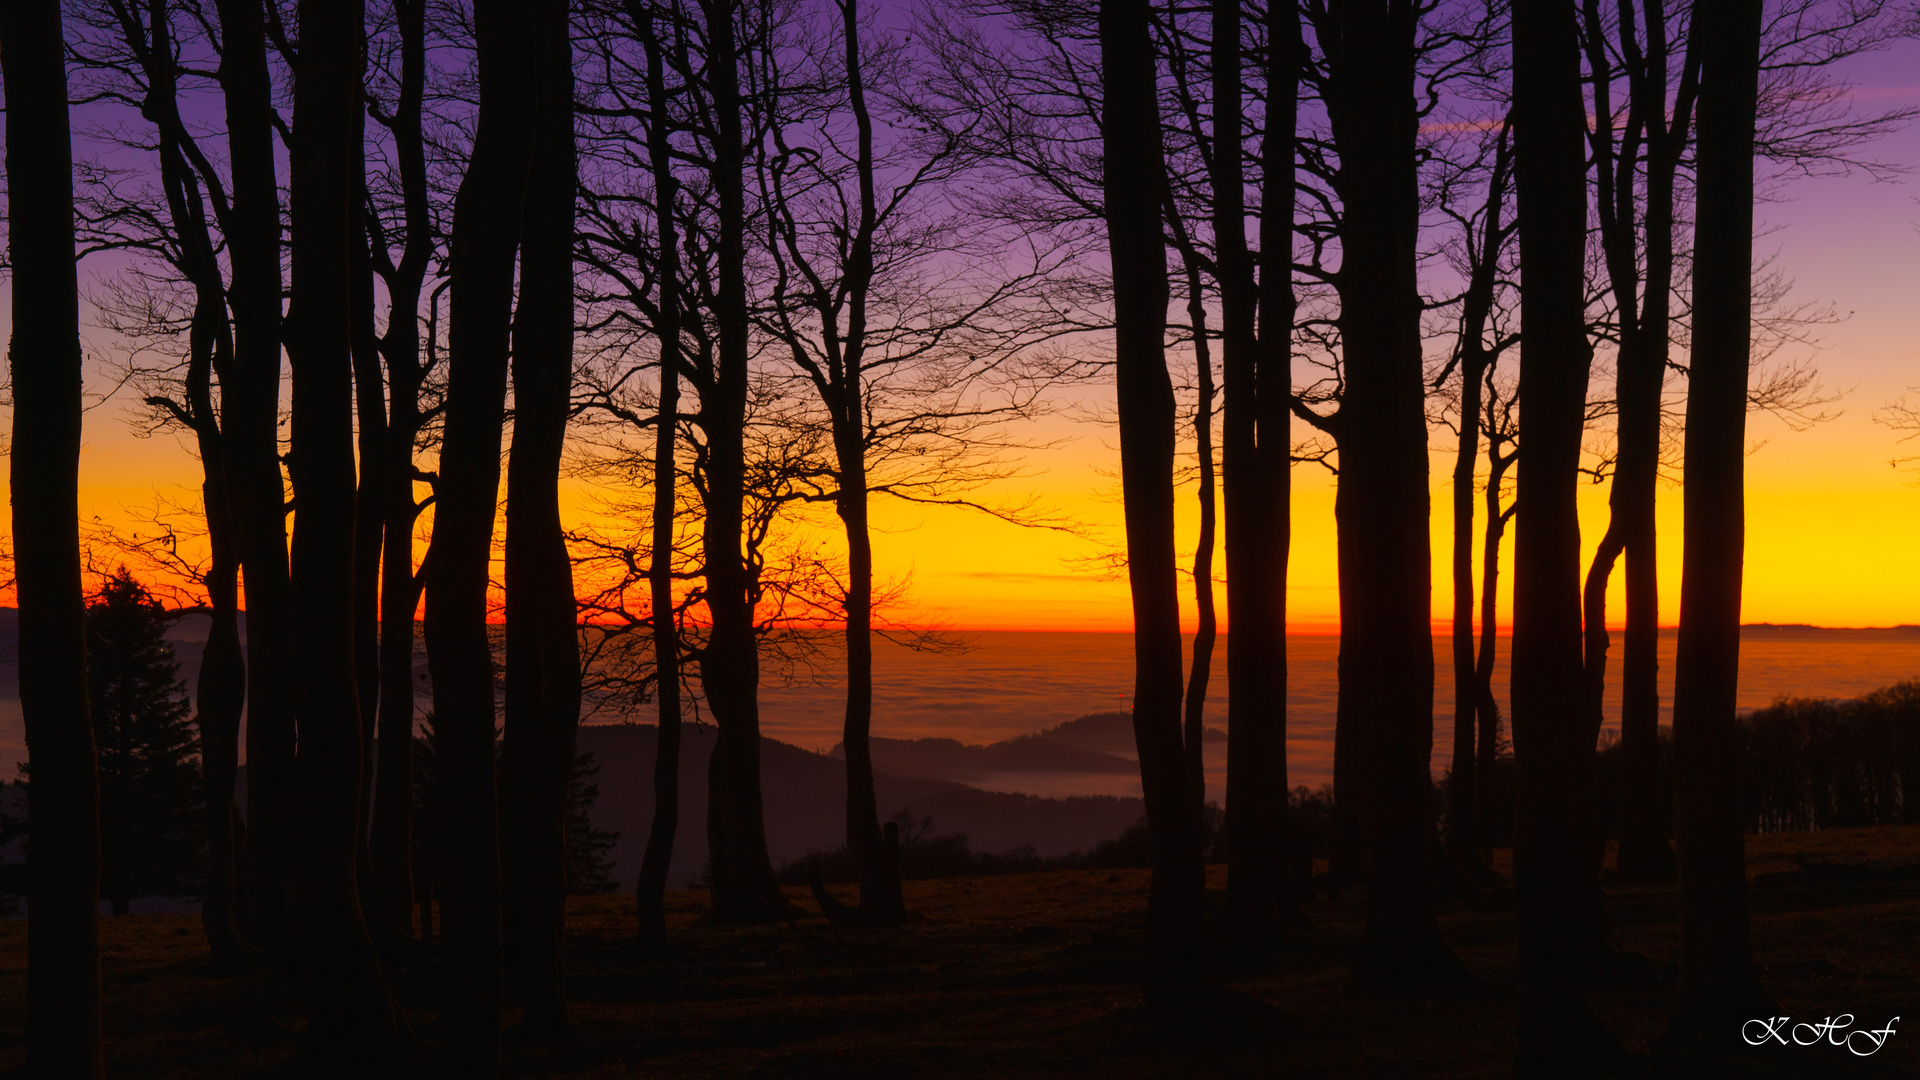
x,y
1033,976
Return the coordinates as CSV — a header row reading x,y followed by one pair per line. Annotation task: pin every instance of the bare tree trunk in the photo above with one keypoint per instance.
x,y
370,406
1381,507
1717,980
1644,854
1488,751
1464,842
543,647
351,1016
486,229
391,839
650,896
1133,169
63,814
220,695
743,887
250,419
880,894
1553,875
1256,343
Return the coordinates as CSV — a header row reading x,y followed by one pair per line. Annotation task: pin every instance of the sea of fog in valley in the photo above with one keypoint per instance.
x,y
1011,683
953,734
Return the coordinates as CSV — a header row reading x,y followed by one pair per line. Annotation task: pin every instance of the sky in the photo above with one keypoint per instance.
x,y
1829,523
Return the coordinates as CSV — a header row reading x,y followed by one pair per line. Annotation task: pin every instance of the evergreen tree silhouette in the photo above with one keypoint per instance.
x,y
589,870
150,834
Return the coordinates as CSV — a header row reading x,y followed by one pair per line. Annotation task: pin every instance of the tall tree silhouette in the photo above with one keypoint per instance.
x,y
1717,980
1474,720
1133,169
1651,143
390,839
250,411
44,360
487,215
650,894
134,57
1553,874
542,643
743,885
1384,726
351,1016
1257,344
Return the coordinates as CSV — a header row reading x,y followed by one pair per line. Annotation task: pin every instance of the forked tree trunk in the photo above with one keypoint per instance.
x,y
250,420
543,649
391,837
351,1015
1256,343
486,229
1130,126
63,814
650,896
1381,507
1717,981
1553,874
743,887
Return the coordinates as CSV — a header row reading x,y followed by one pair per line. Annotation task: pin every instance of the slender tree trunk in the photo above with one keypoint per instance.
x,y
1487,752
63,814
1259,896
370,406
1464,840
1381,507
486,228
743,887
1206,627
1553,876
650,896
1273,419
219,696
351,1016
880,895
1645,855
391,839
1717,980
1131,139
250,419
543,647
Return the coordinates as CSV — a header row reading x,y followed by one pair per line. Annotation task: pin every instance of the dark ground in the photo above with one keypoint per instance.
x,y
1033,976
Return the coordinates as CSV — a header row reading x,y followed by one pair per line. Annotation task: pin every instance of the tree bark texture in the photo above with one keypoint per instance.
x,y
486,230
1134,167
63,813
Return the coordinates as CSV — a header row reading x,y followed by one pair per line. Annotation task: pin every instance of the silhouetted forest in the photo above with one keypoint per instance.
x,y
401,275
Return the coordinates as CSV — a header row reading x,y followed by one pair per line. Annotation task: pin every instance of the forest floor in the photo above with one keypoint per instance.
x,y
1035,976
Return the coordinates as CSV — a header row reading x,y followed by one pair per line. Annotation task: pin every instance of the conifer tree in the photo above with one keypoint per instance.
x,y
150,795
589,869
